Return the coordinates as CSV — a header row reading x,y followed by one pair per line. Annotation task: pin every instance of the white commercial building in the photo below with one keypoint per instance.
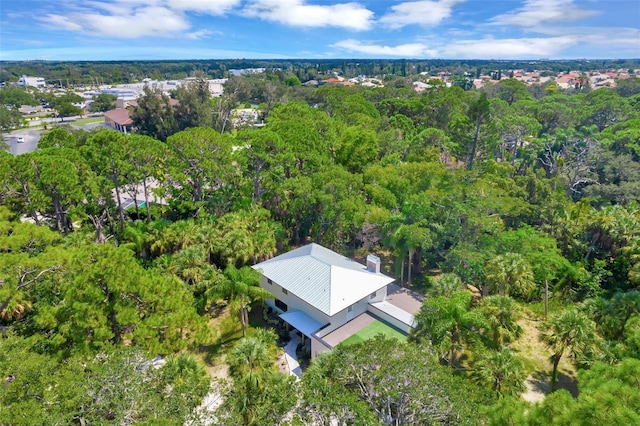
x,y
25,81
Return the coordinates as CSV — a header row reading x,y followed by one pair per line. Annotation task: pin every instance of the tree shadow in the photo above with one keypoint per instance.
x,y
541,382
568,383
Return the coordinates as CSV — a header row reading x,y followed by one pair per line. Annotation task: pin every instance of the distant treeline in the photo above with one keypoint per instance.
x,y
123,72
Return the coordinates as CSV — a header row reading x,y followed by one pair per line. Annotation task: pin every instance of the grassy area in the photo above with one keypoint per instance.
x,y
226,332
376,327
536,357
89,120
536,309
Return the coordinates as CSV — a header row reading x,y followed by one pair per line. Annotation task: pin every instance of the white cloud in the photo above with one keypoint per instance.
x,y
297,13
402,50
137,18
143,21
211,7
488,48
428,12
61,22
538,12
513,48
198,35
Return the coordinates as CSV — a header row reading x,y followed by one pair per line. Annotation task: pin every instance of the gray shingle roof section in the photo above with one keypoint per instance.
x,y
323,278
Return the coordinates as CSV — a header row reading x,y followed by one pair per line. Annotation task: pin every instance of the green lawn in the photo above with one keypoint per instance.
x,y
89,120
376,327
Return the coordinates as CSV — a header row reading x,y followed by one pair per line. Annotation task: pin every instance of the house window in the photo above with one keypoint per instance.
x,y
373,295
284,290
281,305
350,308
269,281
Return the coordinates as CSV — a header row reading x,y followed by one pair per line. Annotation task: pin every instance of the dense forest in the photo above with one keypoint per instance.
x,y
515,210
69,74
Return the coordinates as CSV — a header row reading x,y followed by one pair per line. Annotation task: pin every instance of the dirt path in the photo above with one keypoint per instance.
x,y
537,361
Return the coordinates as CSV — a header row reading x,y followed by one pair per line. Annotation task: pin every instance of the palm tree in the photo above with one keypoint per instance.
x,y
417,237
188,379
190,264
135,239
241,288
405,239
449,323
569,330
250,366
249,359
612,315
509,273
246,235
502,314
502,371
446,284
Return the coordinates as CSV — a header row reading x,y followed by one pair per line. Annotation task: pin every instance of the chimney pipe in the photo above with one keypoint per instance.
x,y
373,263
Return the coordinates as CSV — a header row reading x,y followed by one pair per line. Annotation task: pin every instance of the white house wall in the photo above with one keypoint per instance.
x,y
318,347
400,325
293,302
342,317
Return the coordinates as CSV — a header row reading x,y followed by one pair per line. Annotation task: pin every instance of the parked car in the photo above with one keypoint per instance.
x,y
20,139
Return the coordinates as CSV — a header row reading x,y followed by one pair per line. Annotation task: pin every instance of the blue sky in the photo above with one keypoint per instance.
x,y
224,29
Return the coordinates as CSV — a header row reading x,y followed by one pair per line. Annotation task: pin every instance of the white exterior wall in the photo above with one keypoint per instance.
x,y
31,81
294,303
317,347
400,325
381,295
344,316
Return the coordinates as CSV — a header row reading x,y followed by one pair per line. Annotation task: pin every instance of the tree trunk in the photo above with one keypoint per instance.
x,y
118,199
242,317
146,199
474,146
58,212
410,263
454,346
244,326
5,303
554,373
546,299
135,201
256,184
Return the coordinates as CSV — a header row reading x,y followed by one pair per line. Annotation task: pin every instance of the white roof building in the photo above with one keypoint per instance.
x,y
328,297
323,278
25,81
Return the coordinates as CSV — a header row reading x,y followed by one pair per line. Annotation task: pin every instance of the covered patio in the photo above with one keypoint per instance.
x,y
302,322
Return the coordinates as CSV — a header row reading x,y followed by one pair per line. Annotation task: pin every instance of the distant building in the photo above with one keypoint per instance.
x,y
245,71
25,81
118,119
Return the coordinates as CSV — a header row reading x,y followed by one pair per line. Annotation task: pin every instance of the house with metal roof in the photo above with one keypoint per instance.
x,y
317,291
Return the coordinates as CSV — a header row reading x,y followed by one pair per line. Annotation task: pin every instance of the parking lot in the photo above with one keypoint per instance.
x,y
22,141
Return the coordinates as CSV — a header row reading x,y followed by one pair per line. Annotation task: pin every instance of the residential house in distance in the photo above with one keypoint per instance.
x,y
328,297
118,119
25,81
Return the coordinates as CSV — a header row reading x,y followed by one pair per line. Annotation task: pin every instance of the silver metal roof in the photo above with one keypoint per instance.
x,y
323,278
